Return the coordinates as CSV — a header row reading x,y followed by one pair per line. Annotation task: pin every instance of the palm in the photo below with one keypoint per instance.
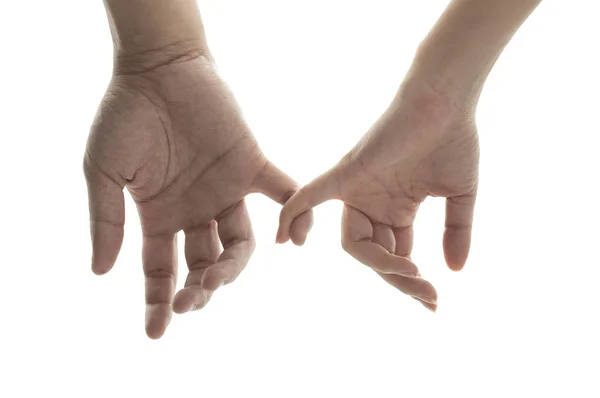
x,y
391,194
405,157
174,136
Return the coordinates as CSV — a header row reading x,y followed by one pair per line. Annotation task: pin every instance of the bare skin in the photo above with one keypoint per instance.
x,y
424,144
175,138
170,131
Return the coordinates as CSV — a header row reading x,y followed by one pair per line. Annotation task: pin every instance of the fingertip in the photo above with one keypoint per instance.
x,y
106,244
300,228
456,267
100,267
282,234
158,317
431,307
457,244
183,302
299,241
426,293
99,271
429,299
279,238
455,259
181,309
154,335
294,221
191,298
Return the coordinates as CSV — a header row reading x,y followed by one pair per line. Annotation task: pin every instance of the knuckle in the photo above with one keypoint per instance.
x,y
160,273
459,227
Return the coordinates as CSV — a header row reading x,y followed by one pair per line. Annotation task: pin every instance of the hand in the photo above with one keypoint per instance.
x,y
174,136
423,145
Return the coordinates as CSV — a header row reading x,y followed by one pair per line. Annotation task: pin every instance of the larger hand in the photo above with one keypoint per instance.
x,y
423,145
175,137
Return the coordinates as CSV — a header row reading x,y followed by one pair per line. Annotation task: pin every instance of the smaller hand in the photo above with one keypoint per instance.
x,y
423,145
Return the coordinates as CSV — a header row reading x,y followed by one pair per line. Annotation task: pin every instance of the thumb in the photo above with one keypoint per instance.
x,y
323,188
278,186
107,216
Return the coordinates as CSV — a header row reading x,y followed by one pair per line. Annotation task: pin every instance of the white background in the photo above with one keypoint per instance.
x,y
520,321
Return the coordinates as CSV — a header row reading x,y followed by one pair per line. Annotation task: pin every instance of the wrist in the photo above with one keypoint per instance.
x,y
445,70
151,33
451,94
459,52
128,61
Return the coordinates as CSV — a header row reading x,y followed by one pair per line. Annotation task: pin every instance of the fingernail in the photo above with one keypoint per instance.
x,y
411,274
430,307
429,300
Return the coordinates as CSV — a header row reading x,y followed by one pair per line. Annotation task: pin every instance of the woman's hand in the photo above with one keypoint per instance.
x,y
425,144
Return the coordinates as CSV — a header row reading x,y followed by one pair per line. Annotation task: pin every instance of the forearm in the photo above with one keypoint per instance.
x,y
461,49
155,31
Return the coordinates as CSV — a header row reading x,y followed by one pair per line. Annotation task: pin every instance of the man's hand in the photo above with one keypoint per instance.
x,y
173,135
423,145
